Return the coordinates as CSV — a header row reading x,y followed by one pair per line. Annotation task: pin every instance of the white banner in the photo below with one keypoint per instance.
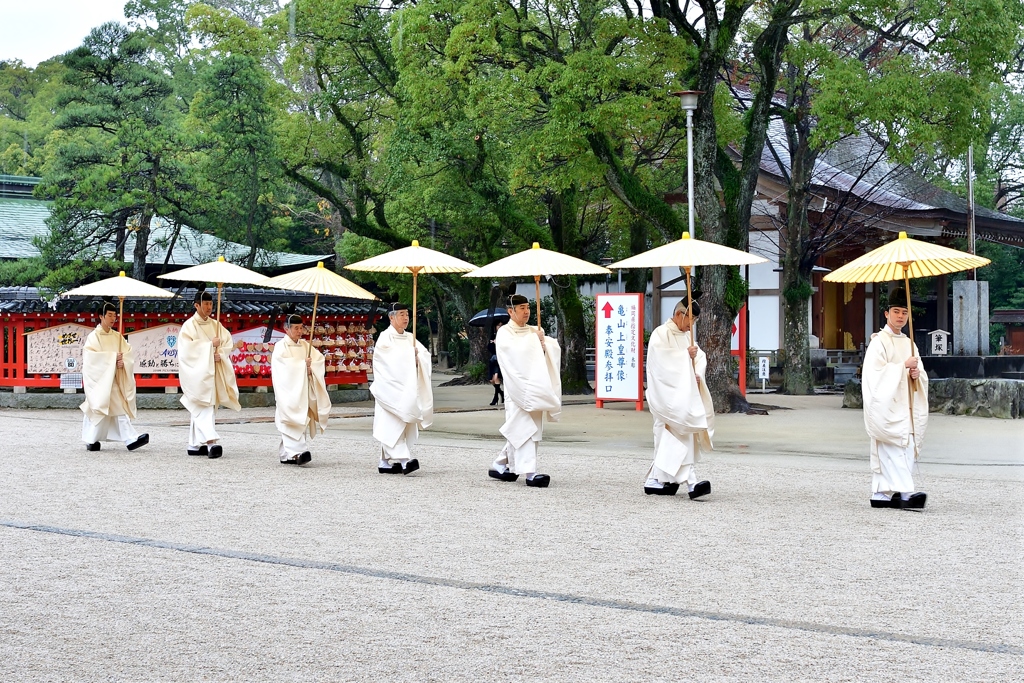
x,y
619,347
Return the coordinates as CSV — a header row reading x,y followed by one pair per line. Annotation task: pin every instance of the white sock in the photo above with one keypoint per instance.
x,y
881,496
906,496
500,469
384,463
691,487
653,483
530,476
404,461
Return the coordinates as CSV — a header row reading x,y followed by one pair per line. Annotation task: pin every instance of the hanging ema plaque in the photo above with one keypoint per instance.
x,y
56,350
156,350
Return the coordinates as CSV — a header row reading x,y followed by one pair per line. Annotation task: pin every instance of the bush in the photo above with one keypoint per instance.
x,y
476,371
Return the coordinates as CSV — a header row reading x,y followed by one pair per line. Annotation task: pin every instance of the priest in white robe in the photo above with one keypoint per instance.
x,y
530,367
300,393
403,397
108,377
895,389
206,376
678,396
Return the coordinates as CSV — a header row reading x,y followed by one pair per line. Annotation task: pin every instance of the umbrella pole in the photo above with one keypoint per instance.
x,y
120,318
911,382
689,315
536,281
415,272
219,285
910,319
316,300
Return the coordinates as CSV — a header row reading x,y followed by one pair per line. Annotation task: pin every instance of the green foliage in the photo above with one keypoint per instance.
x,y
27,99
476,371
233,117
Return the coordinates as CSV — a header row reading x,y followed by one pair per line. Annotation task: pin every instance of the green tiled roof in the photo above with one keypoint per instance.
x,y
20,221
23,219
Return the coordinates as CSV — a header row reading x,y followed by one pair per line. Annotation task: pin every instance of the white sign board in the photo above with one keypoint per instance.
x,y
939,342
56,350
156,349
762,367
619,348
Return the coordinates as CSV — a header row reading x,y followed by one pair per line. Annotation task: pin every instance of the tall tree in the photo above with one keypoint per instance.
x,y
838,77
115,165
234,115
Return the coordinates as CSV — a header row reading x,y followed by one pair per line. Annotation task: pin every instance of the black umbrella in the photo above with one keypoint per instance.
x,y
500,315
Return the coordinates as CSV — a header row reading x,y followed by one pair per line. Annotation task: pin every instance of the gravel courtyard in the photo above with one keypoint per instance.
x,y
155,566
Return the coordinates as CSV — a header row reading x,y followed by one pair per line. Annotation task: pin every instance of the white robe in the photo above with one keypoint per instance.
x,y
205,383
533,389
896,432
404,400
109,403
302,402
684,416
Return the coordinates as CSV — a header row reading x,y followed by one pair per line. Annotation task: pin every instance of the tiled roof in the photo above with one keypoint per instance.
x,y
857,164
21,220
236,300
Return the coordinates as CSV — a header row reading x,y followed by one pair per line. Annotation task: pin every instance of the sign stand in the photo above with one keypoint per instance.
x,y
619,349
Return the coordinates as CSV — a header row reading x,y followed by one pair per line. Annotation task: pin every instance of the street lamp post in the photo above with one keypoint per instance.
x,y
688,99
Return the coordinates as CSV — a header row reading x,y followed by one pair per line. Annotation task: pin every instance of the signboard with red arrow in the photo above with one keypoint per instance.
x,y
619,349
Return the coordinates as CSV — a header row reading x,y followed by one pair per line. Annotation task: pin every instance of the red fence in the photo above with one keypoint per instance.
x,y
14,361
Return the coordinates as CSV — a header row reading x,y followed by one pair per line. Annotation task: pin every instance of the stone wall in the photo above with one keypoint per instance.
x,y
1002,398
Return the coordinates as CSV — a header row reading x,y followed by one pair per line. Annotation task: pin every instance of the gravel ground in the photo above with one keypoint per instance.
x,y
258,571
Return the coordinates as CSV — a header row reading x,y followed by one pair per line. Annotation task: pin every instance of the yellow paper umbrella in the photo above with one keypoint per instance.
x,y
906,258
536,262
122,287
687,253
413,259
219,271
317,281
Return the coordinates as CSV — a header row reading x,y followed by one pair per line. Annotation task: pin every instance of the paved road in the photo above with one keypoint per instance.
x,y
155,566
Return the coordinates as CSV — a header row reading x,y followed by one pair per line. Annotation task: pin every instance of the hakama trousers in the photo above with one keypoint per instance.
x,y
291,447
521,460
385,426
111,428
203,427
673,457
897,464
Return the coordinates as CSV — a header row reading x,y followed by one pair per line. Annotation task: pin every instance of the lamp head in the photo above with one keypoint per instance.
x,y
688,98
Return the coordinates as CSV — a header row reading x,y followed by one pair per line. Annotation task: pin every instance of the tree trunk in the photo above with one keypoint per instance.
x,y
141,247
797,377
120,234
573,333
637,278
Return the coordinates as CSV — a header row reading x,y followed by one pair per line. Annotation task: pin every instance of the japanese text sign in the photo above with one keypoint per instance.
x,y
619,348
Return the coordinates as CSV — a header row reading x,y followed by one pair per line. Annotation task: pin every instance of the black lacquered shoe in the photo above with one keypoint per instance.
x,y
216,450
893,502
664,490
507,475
411,466
395,468
92,446
701,488
202,450
303,458
915,502
139,442
539,481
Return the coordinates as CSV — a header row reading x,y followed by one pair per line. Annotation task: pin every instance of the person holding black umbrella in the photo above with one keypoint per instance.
x,y
494,368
